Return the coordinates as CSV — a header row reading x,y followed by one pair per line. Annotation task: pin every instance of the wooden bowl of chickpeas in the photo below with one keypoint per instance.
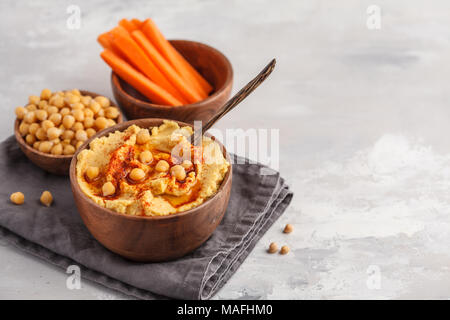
x,y
52,126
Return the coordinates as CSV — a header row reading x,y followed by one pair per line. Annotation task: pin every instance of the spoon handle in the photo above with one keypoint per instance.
x,y
237,98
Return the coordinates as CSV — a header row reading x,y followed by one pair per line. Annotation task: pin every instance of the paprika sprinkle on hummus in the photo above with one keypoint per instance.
x,y
151,172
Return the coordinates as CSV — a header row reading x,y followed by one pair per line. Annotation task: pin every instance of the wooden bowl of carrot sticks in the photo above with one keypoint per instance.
x,y
156,78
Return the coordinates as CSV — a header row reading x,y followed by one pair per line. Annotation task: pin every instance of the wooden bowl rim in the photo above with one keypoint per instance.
x,y
22,142
116,83
120,127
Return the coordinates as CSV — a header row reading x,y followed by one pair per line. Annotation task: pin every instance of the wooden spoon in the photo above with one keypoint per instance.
x,y
236,99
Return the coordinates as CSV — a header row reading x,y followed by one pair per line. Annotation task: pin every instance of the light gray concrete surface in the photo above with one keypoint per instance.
x,y
363,119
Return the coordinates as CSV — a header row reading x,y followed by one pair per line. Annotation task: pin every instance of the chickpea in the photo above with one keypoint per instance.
x,y
77,106
30,117
146,157
288,228
108,189
31,107
68,149
33,128
101,113
284,250
34,99
101,123
57,101
46,94
52,109
78,144
30,139
71,99
17,198
88,113
92,172
90,132
88,122
45,146
46,198
57,149
186,164
53,98
111,113
178,172
137,174
110,123
68,134
47,124
43,104
55,118
162,166
103,101
65,142
41,134
64,111
41,115
76,92
273,247
36,145
143,136
68,121
77,126
86,100
24,128
53,133
95,106
21,112
81,135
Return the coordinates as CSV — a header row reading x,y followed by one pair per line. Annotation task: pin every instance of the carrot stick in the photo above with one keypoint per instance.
x,y
137,23
141,83
175,58
128,25
130,49
105,40
179,83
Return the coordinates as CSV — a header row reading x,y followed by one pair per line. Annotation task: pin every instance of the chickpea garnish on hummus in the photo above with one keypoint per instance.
x,y
151,172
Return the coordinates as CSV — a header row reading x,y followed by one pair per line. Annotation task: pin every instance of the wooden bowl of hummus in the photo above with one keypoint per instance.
x,y
154,207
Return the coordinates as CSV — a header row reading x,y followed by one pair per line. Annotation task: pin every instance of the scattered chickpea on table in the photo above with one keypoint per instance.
x,y
273,247
284,250
58,123
19,198
288,228
46,198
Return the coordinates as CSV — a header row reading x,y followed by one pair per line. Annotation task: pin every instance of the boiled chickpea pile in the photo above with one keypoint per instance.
x,y
58,123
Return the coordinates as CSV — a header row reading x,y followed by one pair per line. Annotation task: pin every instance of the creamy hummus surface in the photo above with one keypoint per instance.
x,y
151,172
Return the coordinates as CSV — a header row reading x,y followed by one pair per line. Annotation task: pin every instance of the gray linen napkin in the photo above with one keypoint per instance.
x,y
57,234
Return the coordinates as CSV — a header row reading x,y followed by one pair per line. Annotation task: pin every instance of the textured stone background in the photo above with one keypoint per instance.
x,y
363,118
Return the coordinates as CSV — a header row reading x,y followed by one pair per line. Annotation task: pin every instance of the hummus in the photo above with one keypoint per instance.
x,y
175,177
